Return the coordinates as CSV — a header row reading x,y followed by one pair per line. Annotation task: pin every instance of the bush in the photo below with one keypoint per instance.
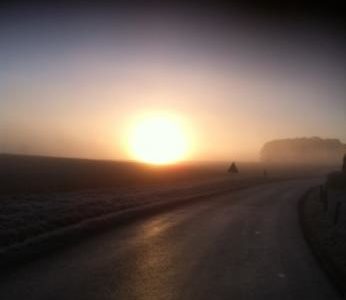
x,y
336,180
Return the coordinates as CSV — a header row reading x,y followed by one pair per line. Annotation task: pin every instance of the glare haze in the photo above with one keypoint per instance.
x,y
73,85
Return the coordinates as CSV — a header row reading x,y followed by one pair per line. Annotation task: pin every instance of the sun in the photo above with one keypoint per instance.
x,y
158,139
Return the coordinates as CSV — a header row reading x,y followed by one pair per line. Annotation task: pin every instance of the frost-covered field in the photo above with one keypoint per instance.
x,y
25,216
44,198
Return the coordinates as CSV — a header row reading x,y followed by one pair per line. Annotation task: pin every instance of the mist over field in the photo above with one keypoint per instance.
x,y
78,82
288,158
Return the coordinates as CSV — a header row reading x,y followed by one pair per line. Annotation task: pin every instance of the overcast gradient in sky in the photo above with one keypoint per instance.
x,y
72,82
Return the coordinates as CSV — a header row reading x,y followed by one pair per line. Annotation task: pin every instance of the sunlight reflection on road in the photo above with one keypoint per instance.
x,y
154,228
152,263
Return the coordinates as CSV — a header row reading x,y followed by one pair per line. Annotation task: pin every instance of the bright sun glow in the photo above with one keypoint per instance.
x,y
158,140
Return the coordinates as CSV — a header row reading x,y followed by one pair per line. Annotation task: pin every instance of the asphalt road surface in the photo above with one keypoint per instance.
x,y
243,245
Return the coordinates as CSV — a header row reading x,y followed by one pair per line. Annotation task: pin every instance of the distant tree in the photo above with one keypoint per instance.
x,y
312,150
344,164
233,168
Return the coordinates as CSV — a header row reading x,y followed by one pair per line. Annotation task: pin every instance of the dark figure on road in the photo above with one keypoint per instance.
x,y
344,164
233,168
265,173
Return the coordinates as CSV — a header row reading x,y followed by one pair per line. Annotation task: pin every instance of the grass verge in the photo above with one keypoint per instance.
x,y
324,239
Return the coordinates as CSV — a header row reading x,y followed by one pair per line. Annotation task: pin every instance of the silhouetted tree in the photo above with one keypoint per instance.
x,y
233,168
303,150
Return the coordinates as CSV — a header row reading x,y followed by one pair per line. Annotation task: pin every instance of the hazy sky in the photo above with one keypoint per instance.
x,y
73,81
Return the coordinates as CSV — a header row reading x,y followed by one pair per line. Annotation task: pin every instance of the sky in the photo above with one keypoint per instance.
x,y
74,80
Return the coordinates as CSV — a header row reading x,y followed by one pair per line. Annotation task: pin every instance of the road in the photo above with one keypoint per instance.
x,y
243,245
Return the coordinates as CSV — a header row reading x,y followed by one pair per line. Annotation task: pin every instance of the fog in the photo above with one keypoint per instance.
x,y
73,81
